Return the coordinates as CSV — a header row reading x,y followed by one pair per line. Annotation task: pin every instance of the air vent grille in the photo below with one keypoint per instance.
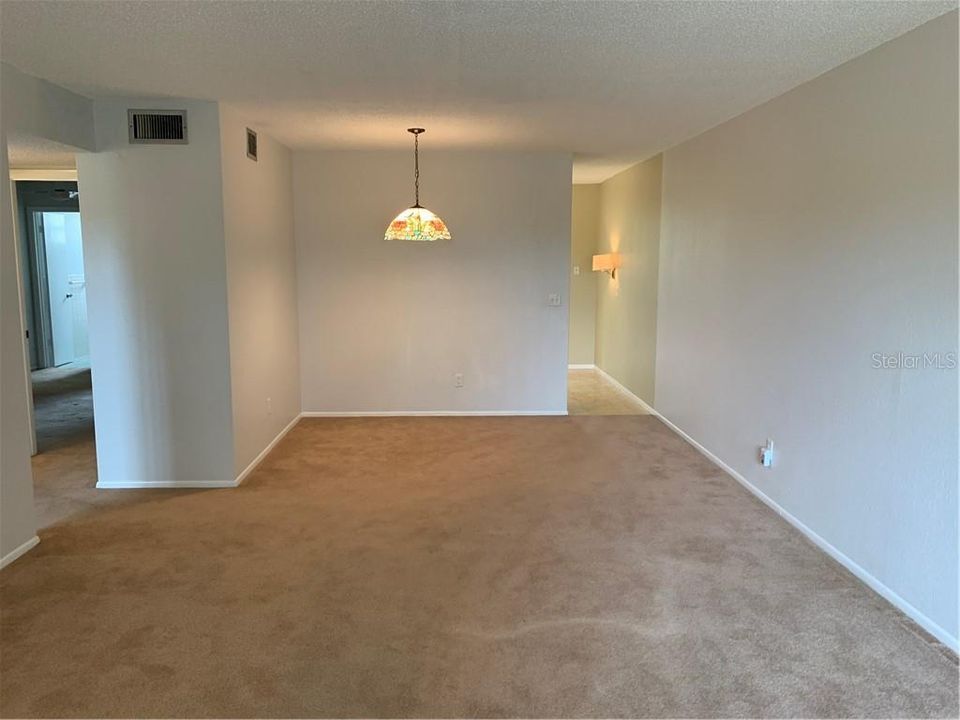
x,y
251,144
158,126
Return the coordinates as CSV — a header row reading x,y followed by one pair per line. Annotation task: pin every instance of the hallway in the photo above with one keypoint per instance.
x,y
590,392
65,466
63,405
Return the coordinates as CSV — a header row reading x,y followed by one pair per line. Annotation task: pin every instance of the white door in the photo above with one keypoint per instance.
x,y
63,249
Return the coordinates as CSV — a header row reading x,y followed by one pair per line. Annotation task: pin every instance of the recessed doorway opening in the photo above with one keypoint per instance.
x,y
54,298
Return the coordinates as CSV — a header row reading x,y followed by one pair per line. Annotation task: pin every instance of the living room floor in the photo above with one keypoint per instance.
x,y
453,567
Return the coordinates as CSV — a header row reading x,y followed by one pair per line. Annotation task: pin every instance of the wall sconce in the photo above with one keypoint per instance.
x,y
607,263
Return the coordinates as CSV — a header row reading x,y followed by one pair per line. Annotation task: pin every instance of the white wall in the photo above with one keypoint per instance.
x,y
261,287
384,326
799,239
33,108
157,301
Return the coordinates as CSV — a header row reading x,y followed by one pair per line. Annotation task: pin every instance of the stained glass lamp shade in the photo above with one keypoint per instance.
x,y
416,222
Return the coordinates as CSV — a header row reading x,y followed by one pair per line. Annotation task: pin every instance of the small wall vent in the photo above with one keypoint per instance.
x,y
251,144
158,126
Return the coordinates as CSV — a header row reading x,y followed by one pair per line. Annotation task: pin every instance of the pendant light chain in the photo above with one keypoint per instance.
x,y
416,222
416,168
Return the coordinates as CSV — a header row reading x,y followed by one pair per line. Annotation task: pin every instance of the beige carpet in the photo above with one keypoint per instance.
x,y
590,393
452,567
65,468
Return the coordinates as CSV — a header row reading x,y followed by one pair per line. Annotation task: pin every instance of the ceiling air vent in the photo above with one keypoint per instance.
x,y
158,126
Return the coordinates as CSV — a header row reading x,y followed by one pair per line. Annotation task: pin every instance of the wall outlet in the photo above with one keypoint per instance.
x,y
269,406
766,454
553,299
458,380
576,269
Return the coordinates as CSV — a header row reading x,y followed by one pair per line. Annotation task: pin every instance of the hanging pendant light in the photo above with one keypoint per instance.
x,y
416,222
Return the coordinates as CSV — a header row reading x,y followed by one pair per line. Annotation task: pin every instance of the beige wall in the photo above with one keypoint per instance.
x,y
584,227
261,287
626,325
385,326
800,239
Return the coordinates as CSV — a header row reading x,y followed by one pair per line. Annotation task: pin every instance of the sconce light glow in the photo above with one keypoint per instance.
x,y
607,263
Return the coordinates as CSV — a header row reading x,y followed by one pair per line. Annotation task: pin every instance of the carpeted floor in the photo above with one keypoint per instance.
x,y
65,467
454,567
590,393
62,405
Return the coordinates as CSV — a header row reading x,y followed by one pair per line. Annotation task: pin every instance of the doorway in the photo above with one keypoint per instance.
x,y
54,286
53,277
59,233
53,281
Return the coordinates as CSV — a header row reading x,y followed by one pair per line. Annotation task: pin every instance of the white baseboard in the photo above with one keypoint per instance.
x,y
266,451
889,595
202,484
589,366
167,484
17,552
211,484
863,575
626,391
429,413
872,582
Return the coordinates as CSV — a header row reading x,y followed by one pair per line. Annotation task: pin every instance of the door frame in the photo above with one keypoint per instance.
x,y
40,279
26,211
15,176
37,232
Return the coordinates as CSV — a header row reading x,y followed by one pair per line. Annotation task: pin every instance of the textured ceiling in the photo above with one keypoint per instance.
x,y
36,153
610,82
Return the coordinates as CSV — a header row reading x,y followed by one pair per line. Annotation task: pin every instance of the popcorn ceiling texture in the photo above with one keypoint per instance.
x,y
34,153
613,83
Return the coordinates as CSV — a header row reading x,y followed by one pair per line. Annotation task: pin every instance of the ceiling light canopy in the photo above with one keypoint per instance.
x,y
416,222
